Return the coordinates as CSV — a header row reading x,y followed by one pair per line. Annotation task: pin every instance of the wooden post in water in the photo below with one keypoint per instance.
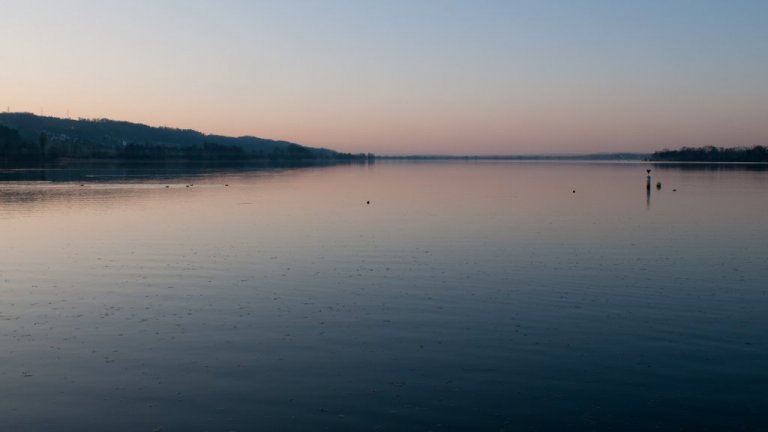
x,y
648,190
648,184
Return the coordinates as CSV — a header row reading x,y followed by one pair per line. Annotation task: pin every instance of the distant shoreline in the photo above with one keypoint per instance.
x,y
710,154
634,157
98,163
26,137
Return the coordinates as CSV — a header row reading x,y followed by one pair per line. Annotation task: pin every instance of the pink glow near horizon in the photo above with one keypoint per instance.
x,y
505,78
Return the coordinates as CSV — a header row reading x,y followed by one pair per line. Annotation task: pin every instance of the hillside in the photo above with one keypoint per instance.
x,y
26,136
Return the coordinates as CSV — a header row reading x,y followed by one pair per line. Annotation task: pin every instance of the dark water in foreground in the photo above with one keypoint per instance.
x,y
465,296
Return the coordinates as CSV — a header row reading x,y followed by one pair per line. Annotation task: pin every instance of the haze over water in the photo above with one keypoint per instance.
x,y
464,296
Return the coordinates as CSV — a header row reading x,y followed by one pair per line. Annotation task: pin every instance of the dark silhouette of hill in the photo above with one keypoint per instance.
x,y
11,142
29,136
712,154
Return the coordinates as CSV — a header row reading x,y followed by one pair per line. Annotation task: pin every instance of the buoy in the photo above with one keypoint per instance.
x,y
574,191
367,202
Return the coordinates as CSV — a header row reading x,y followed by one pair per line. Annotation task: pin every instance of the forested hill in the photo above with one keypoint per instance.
x,y
28,136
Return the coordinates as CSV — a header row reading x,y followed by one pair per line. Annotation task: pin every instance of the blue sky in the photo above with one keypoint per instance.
x,y
485,77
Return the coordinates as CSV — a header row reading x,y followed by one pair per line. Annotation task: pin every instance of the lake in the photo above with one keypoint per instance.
x,y
396,296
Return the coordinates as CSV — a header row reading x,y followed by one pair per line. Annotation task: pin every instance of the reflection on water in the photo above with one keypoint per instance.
x,y
705,166
647,197
27,189
465,296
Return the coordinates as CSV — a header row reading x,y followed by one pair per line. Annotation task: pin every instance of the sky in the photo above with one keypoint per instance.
x,y
402,77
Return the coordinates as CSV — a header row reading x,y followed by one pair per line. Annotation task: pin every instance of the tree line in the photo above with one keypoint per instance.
x,y
713,154
25,136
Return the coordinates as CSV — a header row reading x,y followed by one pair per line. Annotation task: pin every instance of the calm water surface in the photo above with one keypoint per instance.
x,y
465,296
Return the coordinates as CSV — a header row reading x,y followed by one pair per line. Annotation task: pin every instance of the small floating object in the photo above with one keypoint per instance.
x,y
574,191
674,190
166,186
658,185
367,202
226,184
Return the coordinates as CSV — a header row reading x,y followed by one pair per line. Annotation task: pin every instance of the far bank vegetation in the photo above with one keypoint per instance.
x,y
713,154
28,137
